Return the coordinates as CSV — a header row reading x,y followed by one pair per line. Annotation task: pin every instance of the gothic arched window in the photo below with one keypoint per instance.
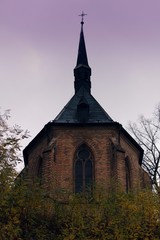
x,y
83,169
39,170
128,174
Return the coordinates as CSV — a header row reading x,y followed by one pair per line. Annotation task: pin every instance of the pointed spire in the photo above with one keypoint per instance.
x,y
82,71
82,54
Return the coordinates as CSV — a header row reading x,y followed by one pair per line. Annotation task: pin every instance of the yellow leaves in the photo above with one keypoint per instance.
x,y
70,237
123,216
27,213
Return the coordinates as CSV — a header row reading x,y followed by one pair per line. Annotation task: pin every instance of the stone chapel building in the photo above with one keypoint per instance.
x,y
83,146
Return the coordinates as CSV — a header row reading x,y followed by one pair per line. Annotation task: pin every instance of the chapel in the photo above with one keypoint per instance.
x,y
83,146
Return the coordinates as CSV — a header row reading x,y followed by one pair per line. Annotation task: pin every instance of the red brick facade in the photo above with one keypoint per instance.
x,y
115,157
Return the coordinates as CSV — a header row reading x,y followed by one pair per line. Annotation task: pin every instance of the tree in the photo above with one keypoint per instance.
x,y
10,146
118,216
147,133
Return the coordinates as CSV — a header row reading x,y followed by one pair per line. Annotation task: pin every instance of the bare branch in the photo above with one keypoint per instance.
x,y
147,133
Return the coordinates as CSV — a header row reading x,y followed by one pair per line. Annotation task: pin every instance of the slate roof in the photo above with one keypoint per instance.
x,y
96,113
82,53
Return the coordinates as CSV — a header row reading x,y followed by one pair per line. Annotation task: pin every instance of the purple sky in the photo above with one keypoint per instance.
x,y
38,51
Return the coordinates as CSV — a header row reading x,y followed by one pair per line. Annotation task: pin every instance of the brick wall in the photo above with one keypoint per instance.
x,y
109,150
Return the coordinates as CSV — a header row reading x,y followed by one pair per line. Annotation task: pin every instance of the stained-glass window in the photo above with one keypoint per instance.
x,y
83,169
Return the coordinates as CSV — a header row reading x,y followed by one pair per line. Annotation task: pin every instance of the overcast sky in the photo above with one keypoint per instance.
x,y
38,51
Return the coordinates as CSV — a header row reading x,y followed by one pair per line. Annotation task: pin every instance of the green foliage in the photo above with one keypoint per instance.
x,y
120,216
29,213
10,140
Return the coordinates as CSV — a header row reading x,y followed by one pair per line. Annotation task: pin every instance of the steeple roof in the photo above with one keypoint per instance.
x,y
82,71
82,108
82,54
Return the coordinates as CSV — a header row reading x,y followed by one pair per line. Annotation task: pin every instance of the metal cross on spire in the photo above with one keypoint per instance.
x,y
82,15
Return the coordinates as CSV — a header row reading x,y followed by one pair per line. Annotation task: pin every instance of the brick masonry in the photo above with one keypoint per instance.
x,y
110,149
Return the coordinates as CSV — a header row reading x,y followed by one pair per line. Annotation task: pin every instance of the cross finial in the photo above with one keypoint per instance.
x,y
82,15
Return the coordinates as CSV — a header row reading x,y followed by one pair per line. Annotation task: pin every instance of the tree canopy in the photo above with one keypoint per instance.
x,y
10,148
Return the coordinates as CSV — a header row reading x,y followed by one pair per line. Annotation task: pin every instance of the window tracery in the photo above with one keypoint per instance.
x,y
83,169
